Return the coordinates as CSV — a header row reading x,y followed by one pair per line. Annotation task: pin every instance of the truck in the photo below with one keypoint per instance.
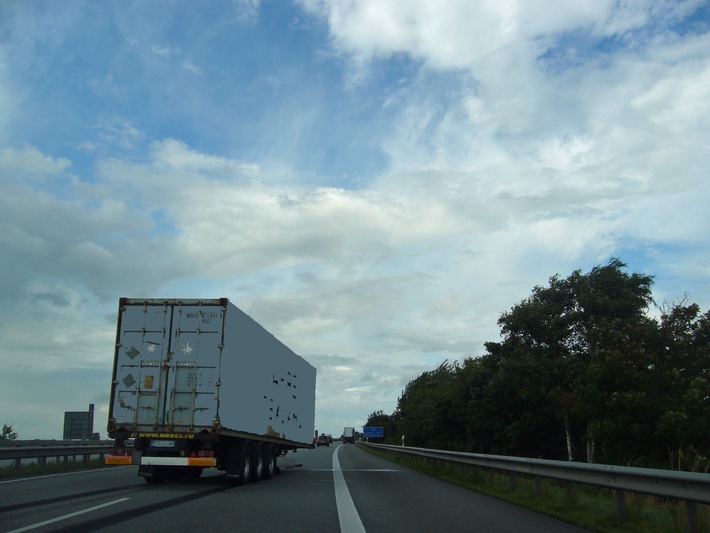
x,y
348,435
200,384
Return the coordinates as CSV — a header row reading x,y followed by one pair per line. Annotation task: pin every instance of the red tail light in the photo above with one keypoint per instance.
x,y
121,452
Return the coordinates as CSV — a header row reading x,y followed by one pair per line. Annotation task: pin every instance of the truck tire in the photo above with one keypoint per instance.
x,y
244,463
239,463
269,461
153,475
258,466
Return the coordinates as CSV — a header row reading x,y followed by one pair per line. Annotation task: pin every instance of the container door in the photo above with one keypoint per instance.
x,y
142,356
197,338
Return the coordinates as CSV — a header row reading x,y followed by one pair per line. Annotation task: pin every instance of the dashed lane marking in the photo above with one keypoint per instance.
x,y
66,516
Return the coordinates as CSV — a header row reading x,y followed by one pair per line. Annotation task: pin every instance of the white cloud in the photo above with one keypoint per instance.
x,y
164,51
119,131
8,100
29,160
193,68
179,156
247,10
516,148
104,86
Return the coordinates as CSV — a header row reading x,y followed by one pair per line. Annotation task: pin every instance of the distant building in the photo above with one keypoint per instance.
x,y
79,425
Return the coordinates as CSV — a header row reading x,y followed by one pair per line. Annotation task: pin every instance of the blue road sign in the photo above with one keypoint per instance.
x,y
372,433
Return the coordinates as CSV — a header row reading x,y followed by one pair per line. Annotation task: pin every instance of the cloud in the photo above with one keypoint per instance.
x,y
411,171
104,86
178,156
247,10
119,131
464,35
196,70
30,161
164,51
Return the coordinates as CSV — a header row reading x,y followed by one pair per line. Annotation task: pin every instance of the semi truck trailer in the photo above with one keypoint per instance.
x,y
349,435
199,384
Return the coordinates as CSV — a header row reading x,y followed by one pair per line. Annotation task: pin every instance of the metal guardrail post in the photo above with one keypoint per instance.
x,y
572,491
620,506
513,483
692,517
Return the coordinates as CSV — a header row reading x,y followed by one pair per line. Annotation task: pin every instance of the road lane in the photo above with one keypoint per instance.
x,y
407,500
347,514
385,496
32,500
38,525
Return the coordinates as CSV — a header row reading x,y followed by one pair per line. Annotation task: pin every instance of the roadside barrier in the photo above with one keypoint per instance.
x,y
691,487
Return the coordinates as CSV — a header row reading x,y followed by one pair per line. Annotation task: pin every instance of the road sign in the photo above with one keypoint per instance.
x,y
373,433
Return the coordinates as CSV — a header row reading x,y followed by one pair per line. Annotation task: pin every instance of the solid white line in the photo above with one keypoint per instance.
x,y
355,470
347,514
70,515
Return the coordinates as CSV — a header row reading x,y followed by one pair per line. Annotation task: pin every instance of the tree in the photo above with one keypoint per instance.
x,y
581,372
429,410
8,433
681,374
572,333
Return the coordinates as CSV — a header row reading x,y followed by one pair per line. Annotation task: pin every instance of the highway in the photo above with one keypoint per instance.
x,y
336,488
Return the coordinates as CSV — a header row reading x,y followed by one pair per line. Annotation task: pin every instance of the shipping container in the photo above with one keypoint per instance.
x,y
199,383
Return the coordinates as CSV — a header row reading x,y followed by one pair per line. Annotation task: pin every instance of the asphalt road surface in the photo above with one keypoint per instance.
x,y
330,489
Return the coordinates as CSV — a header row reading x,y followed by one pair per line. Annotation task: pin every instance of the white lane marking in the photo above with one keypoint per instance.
x,y
355,470
70,515
347,514
34,478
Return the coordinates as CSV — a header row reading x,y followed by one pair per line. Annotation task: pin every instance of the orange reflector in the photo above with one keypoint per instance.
x,y
119,460
201,461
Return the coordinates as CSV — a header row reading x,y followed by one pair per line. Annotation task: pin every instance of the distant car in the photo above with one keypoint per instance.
x,y
323,440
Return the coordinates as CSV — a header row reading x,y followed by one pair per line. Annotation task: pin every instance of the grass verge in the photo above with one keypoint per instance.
x,y
590,507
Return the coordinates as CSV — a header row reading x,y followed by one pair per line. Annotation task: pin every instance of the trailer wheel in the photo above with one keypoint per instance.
x,y
238,462
269,461
257,472
244,463
153,475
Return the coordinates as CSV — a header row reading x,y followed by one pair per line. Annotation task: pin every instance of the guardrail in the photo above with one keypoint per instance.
x,y
691,487
61,450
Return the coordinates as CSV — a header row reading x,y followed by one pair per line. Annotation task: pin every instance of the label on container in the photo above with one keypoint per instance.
x,y
158,435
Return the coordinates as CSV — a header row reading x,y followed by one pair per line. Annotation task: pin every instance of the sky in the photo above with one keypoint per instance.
x,y
373,182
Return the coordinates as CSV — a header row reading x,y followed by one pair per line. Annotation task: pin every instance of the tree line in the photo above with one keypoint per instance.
x,y
582,372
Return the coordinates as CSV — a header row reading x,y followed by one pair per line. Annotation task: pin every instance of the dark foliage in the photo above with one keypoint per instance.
x,y
581,373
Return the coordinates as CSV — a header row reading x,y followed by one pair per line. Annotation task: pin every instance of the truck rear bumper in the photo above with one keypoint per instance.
x,y
178,461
